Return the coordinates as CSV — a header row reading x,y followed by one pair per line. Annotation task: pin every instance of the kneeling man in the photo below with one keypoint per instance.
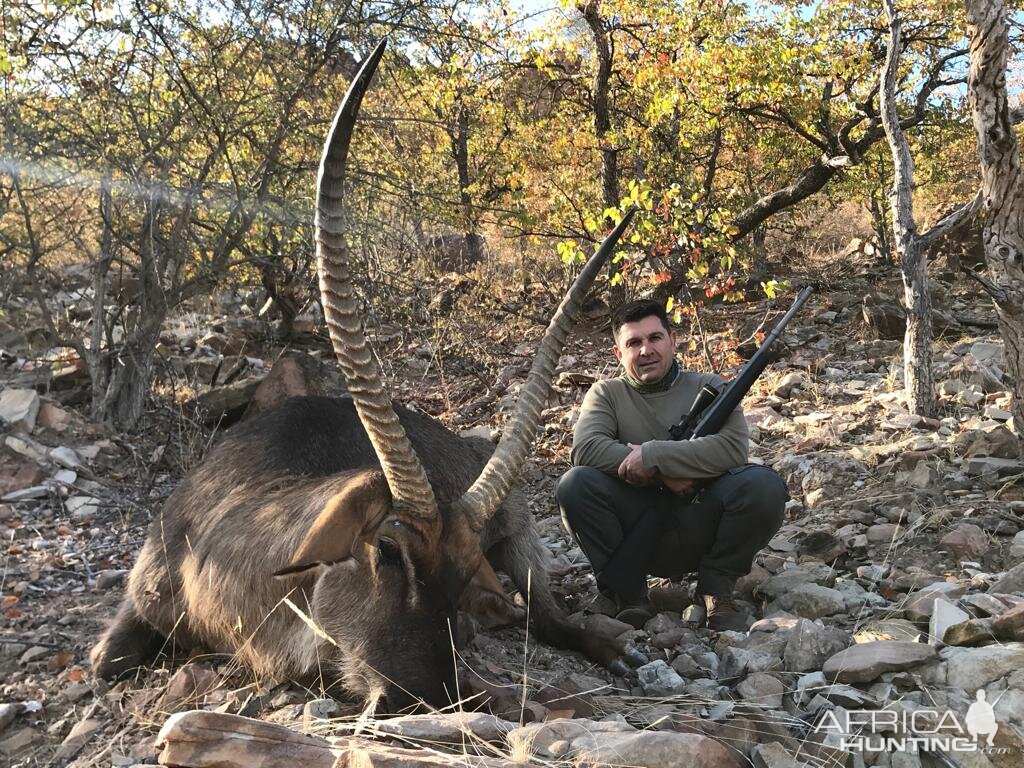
x,y
629,498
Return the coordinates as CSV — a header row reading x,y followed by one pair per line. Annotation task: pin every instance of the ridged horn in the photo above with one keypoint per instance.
x,y
402,468
495,481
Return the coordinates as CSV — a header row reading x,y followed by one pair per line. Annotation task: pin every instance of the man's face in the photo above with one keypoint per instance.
x,y
645,349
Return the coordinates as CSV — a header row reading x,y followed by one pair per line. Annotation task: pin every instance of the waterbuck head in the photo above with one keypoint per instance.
x,y
386,547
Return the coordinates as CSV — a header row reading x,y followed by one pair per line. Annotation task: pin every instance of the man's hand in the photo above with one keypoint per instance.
x,y
632,468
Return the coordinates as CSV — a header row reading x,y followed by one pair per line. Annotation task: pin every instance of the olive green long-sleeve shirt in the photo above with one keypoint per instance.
x,y
614,414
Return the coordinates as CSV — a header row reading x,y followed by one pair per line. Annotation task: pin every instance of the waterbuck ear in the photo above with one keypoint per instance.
x,y
485,600
360,505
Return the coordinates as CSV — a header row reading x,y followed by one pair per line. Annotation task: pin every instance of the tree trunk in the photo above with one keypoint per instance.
x,y
918,382
125,382
1003,227
601,98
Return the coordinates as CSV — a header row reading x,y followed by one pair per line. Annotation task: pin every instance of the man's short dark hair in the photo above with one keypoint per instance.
x,y
638,310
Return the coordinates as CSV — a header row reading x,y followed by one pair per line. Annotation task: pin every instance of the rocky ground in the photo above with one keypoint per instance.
x,y
897,581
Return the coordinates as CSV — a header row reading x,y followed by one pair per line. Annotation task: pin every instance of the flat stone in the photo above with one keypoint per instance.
x,y
446,728
657,749
866,662
967,541
19,408
812,601
762,689
982,605
973,668
1011,581
944,615
983,465
32,492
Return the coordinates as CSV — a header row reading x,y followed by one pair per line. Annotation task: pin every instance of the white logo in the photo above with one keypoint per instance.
x,y
890,730
981,719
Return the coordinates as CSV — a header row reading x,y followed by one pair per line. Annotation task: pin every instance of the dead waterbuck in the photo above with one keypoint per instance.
x,y
374,521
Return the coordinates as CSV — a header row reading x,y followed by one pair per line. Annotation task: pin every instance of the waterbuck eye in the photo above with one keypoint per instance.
x,y
388,551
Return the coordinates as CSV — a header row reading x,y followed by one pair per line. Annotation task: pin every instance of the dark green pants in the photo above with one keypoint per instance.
x,y
629,531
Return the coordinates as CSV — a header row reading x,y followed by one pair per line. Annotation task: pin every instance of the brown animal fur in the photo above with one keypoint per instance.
x,y
297,490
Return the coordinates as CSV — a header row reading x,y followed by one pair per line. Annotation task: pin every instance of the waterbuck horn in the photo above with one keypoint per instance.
x,y
495,481
402,468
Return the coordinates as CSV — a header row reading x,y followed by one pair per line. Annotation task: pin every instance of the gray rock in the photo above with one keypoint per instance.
x,y
967,541
777,585
1011,581
924,475
7,714
663,622
865,662
982,605
810,644
33,654
983,465
64,477
659,679
32,492
657,749
919,605
1017,547
973,668
65,457
19,408
762,689
882,533
82,508
739,661
849,697
773,755
26,447
944,616
812,601
19,741
107,579
969,633
77,738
